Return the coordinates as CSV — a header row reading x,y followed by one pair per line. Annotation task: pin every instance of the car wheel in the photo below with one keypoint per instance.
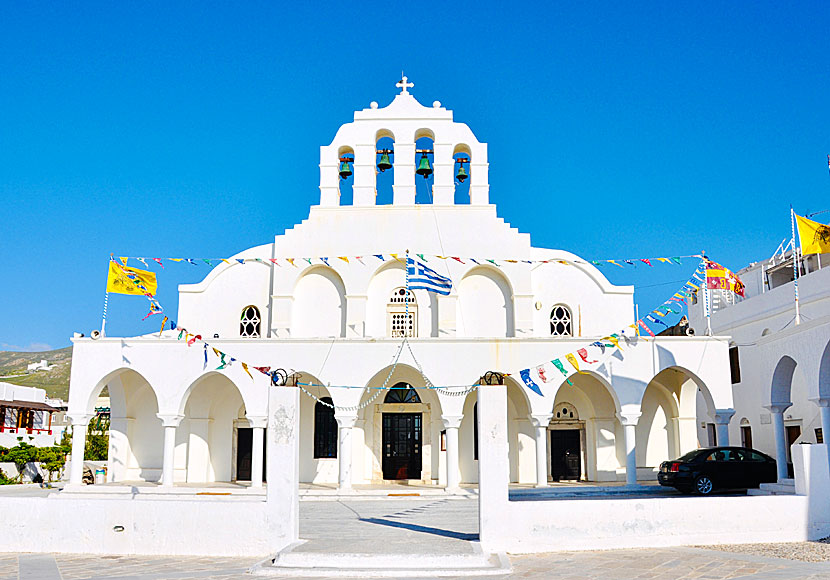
x,y
703,485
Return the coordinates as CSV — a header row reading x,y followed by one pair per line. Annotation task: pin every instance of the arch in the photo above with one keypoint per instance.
x,y
402,393
601,438
384,133
485,304
214,409
424,133
319,306
462,148
684,386
136,434
384,180
824,373
657,429
462,158
782,381
345,186
388,276
250,322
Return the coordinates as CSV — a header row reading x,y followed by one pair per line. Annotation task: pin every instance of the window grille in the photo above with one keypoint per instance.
x,y
400,323
325,430
560,321
402,393
250,322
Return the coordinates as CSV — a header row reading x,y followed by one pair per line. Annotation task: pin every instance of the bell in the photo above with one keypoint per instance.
x,y
423,167
345,170
384,162
462,174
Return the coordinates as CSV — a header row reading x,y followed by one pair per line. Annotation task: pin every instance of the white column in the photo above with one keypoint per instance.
x,y
79,425
722,418
403,190
345,423
540,424
451,424
824,410
780,438
258,425
493,466
629,421
169,422
283,465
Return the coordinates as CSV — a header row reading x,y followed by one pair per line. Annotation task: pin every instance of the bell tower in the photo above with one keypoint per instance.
x,y
354,154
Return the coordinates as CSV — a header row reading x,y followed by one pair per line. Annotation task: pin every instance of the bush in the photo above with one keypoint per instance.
x,y
20,456
6,480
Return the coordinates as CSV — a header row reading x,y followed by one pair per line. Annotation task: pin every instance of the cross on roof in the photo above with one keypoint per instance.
x,y
403,85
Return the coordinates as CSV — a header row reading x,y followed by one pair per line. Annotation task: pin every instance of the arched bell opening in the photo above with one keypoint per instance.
x,y
462,164
345,169
424,165
384,167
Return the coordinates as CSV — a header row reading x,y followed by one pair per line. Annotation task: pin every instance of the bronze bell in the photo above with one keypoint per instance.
x,y
423,167
345,169
462,174
384,162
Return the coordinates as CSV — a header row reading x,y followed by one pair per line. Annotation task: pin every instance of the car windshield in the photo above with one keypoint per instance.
x,y
691,455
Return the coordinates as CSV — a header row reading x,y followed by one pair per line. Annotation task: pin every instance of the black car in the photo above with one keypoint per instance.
x,y
703,470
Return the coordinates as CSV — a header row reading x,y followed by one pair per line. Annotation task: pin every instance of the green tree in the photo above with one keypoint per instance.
x,y
20,456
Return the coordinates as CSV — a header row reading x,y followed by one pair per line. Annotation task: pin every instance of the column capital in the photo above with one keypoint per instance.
x,y
723,416
629,419
541,420
345,421
258,422
452,421
80,419
778,408
170,420
821,401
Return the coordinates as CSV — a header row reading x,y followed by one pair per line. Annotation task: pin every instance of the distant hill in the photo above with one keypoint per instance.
x,y
55,381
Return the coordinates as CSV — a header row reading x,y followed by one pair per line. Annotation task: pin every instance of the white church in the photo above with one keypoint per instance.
x,y
327,300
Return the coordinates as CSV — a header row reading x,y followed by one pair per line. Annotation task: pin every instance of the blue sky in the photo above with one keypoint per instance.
x,y
614,131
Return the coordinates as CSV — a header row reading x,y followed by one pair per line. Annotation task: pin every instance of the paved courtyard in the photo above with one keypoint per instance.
x,y
438,525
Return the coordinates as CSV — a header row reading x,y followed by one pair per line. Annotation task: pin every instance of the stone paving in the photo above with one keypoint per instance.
x,y
662,563
436,525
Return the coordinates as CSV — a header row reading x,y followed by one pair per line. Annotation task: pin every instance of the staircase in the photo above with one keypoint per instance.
x,y
782,487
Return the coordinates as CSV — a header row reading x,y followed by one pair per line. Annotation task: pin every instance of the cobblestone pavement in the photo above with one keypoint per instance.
x,y
684,563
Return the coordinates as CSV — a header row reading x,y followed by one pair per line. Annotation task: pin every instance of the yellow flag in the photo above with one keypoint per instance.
x,y
815,237
120,283
572,359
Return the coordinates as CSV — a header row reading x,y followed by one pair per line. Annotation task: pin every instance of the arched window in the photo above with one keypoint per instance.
x,y
565,412
560,321
402,393
325,430
250,322
398,323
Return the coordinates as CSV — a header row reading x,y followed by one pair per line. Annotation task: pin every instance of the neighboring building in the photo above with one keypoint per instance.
x,y
43,365
780,370
26,413
339,322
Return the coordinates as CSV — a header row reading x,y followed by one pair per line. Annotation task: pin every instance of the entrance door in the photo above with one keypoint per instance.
x,y
244,454
402,446
793,433
565,454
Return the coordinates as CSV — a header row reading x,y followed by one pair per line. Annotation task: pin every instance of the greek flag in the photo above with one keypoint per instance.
x,y
423,278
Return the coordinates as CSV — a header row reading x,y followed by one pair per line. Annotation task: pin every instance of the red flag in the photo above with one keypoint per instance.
x,y
647,329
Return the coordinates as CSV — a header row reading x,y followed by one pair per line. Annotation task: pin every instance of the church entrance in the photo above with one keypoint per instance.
x,y
402,445
565,454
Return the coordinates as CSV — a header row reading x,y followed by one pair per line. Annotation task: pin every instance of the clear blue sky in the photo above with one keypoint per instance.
x,y
614,130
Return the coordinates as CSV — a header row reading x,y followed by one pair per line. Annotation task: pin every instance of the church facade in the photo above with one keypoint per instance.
x,y
329,301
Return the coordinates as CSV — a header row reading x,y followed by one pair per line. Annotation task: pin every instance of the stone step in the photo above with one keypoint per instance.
x,y
783,487
292,564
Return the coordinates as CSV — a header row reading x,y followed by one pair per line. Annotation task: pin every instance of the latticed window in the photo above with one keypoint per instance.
x,y
250,322
560,321
325,430
399,322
